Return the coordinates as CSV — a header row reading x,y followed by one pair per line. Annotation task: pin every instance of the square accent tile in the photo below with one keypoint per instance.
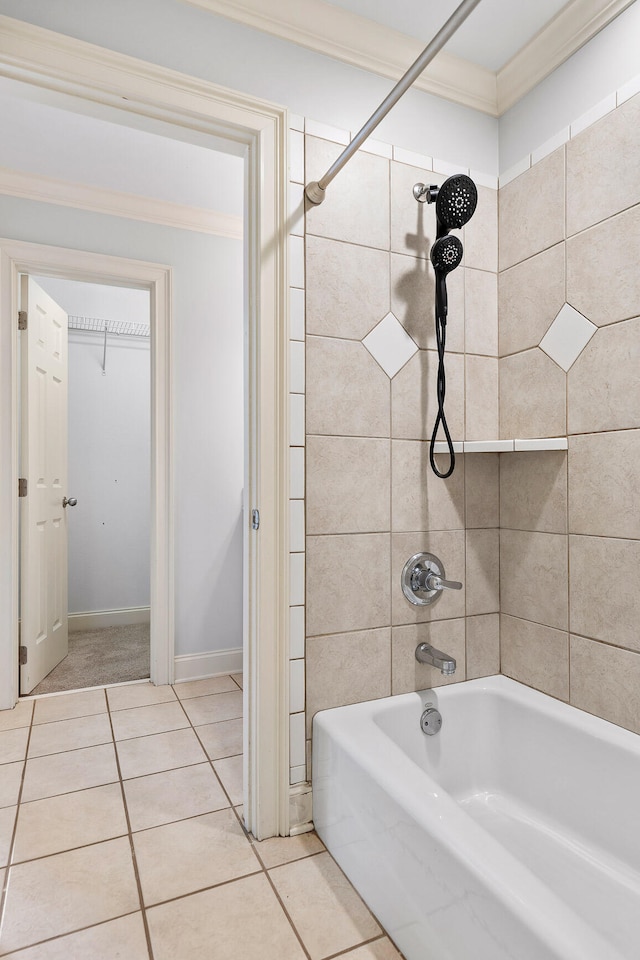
x,y
390,345
567,336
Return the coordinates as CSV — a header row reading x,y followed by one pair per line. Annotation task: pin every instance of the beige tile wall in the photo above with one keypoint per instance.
x,y
570,527
371,498
527,533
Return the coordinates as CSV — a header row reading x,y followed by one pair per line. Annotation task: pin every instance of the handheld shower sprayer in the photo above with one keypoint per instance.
x,y
446,254
455,201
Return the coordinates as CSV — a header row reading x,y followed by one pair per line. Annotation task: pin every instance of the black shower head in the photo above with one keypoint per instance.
x,y
456,201
446,254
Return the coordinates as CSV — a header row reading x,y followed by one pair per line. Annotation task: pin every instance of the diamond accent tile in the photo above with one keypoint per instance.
x,y
567,336
390,345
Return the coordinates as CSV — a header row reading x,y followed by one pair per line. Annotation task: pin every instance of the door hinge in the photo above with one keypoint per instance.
x,y
255,519
22,486
22,319
23,656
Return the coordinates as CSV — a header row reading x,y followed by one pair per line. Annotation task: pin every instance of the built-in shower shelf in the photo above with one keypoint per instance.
x,y
503,446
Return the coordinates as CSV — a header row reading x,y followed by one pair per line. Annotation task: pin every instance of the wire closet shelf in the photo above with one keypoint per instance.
x,y
119,328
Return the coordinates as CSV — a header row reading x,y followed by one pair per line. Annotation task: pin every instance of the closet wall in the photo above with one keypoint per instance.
x,y
109,450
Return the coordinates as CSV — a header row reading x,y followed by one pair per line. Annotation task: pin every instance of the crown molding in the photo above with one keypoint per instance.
x,y
66,193
360,42
574,26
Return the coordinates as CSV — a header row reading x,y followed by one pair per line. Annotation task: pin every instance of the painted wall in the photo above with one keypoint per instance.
x,y
109,450
114,151
570,537
176,35
603,65
208,369
109,458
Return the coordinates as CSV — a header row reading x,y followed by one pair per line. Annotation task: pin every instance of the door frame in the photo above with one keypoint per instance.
x,y
56,62
19,257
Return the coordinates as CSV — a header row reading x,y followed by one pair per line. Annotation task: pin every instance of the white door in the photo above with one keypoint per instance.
x,y
43,520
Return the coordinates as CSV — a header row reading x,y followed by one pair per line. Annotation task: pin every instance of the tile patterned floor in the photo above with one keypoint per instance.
x,y
120,839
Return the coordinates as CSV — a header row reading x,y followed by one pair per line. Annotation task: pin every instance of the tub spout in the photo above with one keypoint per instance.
x,y
425,653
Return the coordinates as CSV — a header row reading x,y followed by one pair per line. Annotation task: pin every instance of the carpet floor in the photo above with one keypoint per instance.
x,y
98,657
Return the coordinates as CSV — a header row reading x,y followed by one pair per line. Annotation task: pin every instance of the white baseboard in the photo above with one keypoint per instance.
x,y
198,666
108,618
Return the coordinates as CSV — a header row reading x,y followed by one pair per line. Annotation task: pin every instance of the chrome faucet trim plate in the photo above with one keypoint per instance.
x,y
423,579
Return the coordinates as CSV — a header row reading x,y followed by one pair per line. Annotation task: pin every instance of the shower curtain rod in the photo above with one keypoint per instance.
x,y
315,191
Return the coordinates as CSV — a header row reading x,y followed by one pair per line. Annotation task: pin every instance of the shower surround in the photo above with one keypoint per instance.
x,y
570,527
546,543
371,499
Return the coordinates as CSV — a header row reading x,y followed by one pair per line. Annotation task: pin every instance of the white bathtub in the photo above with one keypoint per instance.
x,y
513,834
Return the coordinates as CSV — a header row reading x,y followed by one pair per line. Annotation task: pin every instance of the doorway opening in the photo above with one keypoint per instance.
x,y
192,108
85,560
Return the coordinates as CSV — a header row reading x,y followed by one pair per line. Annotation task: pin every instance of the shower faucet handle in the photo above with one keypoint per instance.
x,y
434,582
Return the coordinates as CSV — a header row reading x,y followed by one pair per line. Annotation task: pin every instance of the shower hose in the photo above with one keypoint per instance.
x,y
441,336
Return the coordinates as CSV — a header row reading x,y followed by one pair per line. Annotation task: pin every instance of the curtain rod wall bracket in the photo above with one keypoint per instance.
x,y
315,192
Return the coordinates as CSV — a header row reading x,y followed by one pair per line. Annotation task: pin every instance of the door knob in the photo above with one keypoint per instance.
x,y
69,501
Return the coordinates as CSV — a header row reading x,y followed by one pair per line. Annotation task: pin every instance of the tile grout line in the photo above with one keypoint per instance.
x,y
286,912
212,886
211,762
391,440
365,943
130,836
69,933
5,885
80,846
251,841
567,417
260,862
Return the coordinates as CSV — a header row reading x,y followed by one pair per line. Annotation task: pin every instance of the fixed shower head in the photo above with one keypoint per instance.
x,y
446,254
456,201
